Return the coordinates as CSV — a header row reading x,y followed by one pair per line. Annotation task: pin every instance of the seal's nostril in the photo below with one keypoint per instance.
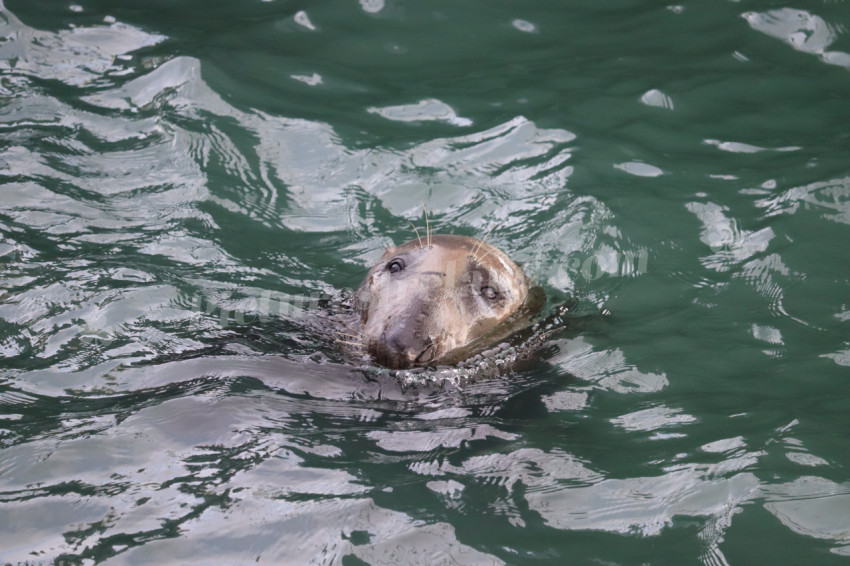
x,y
427,355
395,353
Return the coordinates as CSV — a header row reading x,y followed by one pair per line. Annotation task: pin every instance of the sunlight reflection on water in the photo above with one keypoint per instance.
x,y
163,241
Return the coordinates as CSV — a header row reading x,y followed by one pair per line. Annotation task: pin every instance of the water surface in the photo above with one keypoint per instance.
x,y
182,182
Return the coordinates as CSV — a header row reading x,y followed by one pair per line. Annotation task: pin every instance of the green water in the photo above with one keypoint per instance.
x,y
181,181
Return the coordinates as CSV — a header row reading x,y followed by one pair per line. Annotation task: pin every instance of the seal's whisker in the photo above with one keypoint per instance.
x,y
417,234
427,227
348,342
357,335
479,259
480,242
353,336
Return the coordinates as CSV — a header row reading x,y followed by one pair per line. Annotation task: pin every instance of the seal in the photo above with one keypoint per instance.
x,y
439,301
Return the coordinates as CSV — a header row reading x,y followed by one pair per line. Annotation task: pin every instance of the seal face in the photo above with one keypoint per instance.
x,y
426,301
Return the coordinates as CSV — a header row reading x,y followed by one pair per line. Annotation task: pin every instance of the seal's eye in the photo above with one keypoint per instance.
x,y
489,293
395,266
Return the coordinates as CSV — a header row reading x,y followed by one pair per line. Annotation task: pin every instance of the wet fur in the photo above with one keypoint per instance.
x,y
439,300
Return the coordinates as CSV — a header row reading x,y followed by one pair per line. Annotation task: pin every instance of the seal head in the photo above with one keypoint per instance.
x,y
434,301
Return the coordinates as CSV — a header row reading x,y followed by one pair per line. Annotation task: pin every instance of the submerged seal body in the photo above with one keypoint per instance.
x,y
436,300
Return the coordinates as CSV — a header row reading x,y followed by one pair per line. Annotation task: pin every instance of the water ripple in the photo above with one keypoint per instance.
x,y
165,233
801,30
